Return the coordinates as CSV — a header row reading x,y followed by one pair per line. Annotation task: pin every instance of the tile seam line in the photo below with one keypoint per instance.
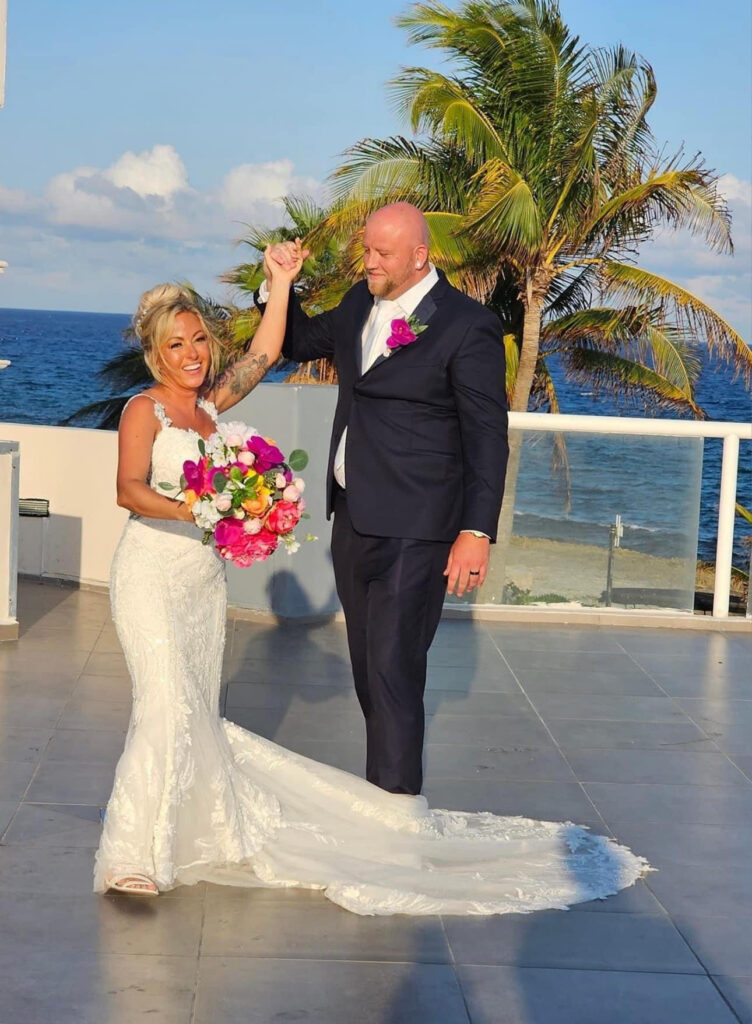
x,y
317,960
553,739
708,975
197,969
598,970
699,972
42,753
587,796
675,700
727,758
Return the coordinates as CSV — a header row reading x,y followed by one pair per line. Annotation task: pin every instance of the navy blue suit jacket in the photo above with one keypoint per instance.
x,y
426,447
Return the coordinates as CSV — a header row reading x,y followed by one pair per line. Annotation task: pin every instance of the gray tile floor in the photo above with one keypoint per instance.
x,y
646,735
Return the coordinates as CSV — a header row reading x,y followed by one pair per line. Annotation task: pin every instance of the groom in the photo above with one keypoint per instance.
x,y
416,468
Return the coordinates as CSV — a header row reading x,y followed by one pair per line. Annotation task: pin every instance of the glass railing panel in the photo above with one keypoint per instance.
x,y
599,521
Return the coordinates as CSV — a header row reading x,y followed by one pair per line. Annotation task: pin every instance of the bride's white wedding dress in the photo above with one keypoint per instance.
x,y
198,798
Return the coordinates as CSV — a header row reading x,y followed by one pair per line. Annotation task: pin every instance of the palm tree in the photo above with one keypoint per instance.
x,y
541,178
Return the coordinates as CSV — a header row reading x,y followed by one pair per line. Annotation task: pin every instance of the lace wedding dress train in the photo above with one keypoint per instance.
x,y
198,798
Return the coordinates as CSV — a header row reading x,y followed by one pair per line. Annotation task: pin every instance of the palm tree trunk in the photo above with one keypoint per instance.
x,y
493,588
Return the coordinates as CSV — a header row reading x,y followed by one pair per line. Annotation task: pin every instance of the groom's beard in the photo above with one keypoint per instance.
x,y
382,287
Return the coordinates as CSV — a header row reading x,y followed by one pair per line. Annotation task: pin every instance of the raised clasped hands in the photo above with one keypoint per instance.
x,y
283,260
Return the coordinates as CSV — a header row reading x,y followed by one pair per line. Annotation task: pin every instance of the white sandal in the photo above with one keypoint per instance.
x,y
133,884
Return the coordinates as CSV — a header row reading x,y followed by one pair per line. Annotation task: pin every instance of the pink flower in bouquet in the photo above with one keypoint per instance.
x,y
228,532
266,452
259,546
291,493
246,459
252,548
283,517
280,481
198,477
241,548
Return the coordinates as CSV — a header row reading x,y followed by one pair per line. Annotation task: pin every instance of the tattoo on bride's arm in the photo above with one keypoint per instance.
x,y
245,374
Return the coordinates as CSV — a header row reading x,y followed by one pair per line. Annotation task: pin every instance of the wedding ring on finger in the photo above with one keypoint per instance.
x,y
471,573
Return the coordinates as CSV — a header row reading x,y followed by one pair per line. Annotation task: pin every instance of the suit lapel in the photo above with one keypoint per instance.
x,y
359,325
423,313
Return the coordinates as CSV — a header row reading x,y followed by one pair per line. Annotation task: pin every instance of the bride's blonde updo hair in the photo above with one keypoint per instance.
x,y
154,320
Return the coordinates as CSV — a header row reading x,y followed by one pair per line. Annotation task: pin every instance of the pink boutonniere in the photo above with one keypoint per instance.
x,y
404,332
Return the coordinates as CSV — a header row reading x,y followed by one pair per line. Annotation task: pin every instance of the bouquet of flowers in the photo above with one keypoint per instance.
x,y
244,493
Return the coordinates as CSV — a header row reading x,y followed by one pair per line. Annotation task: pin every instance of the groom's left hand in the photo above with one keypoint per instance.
x,y
467,563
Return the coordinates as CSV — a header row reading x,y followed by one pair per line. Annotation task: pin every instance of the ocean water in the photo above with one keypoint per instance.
x,y
55,355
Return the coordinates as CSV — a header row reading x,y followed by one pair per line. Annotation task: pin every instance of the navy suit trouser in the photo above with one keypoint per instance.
x,y
392,591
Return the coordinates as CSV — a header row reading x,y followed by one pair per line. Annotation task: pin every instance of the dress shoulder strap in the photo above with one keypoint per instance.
x,y
209,407
159,409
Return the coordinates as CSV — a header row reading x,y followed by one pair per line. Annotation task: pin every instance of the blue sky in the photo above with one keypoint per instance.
x,y
218,108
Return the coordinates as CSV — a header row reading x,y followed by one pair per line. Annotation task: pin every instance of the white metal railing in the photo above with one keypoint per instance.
x,y
9,466
85,525
732,434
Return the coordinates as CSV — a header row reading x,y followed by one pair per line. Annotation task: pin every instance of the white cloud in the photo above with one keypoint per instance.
x,y
149,195
253,188
95,237
133,196
155,172
16,201
735,190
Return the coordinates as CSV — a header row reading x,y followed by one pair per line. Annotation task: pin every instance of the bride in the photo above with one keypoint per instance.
x,y
196,797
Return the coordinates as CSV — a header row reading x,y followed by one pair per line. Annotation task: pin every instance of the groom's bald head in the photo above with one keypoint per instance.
x,y
395,249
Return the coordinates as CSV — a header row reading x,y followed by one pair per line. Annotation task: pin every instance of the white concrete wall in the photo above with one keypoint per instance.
x,y
75,470
9,471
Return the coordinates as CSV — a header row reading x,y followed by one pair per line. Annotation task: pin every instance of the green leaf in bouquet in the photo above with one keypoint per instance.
x,y
201,446
219,482
298,460
236,474
305,515
183,482
167,487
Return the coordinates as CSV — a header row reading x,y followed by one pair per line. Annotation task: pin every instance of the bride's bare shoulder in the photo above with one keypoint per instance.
x,y
140,413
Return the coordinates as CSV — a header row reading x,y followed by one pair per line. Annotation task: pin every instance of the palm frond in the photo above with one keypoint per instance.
x,y
505,216
104,414
680,198
630,284
626,379
444,106
125,371
376,168
512,355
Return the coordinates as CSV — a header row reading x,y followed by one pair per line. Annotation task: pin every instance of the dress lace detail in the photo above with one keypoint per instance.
x,y
197,797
